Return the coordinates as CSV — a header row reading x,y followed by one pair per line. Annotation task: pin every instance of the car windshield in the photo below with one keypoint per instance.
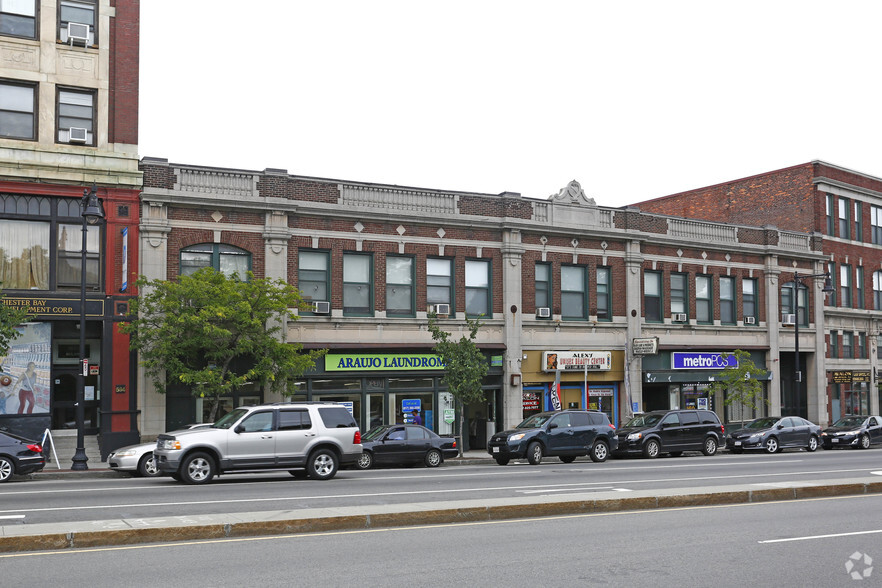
x,y
765,423
537,420
226,421
849,421
644,420
375,433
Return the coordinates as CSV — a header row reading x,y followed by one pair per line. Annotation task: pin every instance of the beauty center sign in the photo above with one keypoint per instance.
x,y
361,362
553,361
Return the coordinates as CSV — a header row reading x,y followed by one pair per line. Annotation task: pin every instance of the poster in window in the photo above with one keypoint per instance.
x,y
24,371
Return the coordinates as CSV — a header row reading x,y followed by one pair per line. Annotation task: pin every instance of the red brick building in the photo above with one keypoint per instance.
x,y
843,208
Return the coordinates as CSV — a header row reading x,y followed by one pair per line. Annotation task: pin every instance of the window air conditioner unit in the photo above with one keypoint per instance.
x,y
442,309
543,312
78,32
322,307
78,135
750,320
679,317
788,319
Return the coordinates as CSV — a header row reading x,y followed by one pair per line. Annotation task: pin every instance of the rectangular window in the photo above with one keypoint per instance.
x,y
876,224
877,290
439,283
802,314
78,13
76,116
727,300
357,284
859,285
573,292
652,296
18,18
18,103
858,222
844,218
847,345
24,264
831,297
70,255
604,312
830,230
845,285
679,295
542,286
748,298
862,346
704,308
477,288
313,275
399,286
834,344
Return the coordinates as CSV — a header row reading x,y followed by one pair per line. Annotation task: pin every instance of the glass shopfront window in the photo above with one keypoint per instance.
x,y
24,264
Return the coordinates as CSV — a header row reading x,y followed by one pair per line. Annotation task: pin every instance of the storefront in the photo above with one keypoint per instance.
x,y
681,379
850,393
586,379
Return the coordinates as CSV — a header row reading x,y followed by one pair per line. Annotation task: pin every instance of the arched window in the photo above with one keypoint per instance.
x,y
226,259
877,290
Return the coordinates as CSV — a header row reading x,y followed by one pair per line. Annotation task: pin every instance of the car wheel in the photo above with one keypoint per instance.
x,y
502,460
197,468
322,464
365,461
865,442
147,466
772,445
812,444
7,468
710,446
433,458
599,452
651,449
534,453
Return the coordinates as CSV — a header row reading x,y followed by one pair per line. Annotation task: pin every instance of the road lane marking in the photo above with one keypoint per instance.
x,y
830,536
550,490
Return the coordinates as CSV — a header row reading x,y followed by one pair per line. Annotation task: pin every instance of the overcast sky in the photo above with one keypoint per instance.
x,y
634,100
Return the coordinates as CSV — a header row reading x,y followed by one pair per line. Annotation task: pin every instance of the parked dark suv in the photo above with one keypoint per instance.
x,y
671,431
566,434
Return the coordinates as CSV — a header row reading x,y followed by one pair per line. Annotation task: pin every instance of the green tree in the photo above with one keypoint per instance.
x,y
464,366
216,333
740,384
10,317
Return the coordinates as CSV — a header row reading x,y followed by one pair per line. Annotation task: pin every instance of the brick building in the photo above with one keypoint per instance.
x,y
564,288
68,122
842,209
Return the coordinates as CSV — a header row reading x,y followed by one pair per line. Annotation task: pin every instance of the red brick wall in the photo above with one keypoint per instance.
x,y
124,62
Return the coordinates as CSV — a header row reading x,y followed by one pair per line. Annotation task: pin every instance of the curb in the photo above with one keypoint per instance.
x,y
264,523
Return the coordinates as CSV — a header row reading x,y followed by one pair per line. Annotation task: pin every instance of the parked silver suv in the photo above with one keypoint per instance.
x,y
317,437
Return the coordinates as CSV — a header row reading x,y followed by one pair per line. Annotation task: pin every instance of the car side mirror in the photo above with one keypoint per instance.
x,y
552,426
239,429
780,427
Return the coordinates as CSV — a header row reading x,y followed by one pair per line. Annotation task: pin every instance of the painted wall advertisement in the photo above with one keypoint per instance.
x,y
24,372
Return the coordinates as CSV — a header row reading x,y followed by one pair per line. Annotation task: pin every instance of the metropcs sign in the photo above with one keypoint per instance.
x,y
702,361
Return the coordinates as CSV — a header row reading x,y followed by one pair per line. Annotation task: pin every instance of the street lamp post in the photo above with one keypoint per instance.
x,y
797,281
92,213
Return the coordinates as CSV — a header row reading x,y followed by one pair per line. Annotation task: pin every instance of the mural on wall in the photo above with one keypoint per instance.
x,y
24,373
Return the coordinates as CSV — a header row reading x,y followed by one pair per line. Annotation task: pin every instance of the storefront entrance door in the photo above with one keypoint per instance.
x,y
64,397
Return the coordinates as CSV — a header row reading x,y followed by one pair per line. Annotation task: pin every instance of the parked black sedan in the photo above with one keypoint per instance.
x,y
19,456
774,434
857,431
404,445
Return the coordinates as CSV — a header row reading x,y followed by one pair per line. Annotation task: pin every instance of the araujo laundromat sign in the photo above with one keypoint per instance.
x,y
702,361
338,362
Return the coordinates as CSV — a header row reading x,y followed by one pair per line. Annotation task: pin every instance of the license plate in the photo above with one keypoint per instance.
x,y
835,440
495,450
737,443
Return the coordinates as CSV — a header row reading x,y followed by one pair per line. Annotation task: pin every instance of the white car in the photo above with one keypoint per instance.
x,y
138,459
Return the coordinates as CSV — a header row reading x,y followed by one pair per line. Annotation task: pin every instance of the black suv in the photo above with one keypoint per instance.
x,y
671,431
566,434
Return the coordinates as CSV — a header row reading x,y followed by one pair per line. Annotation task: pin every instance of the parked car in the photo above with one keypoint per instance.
x,y
567,434
858,431
671,431
404,445
774,434
138,459
306,438
19,456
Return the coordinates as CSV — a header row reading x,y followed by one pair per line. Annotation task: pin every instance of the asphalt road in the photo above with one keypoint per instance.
x,y
31,501
793,543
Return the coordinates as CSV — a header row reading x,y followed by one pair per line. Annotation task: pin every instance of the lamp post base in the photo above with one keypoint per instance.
x,y
79,460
